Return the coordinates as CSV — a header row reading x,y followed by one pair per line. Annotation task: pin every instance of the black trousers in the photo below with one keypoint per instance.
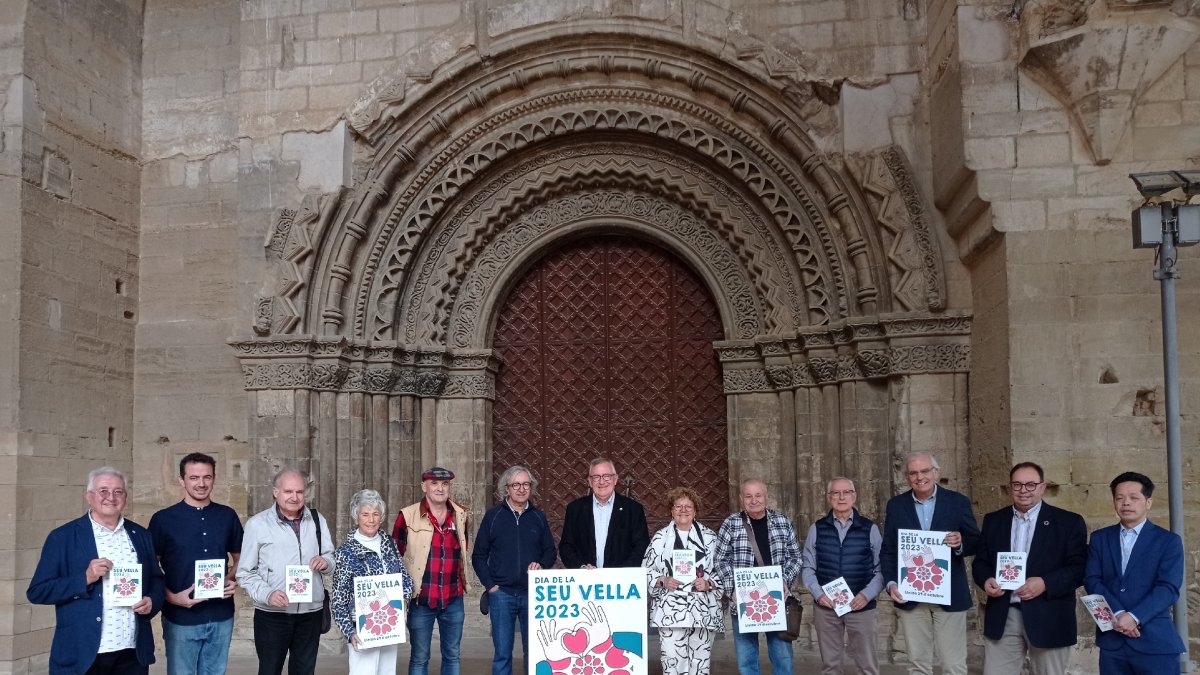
x,y
276,635
120,662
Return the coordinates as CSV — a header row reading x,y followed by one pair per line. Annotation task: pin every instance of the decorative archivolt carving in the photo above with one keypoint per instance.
x,y
681,226
882,348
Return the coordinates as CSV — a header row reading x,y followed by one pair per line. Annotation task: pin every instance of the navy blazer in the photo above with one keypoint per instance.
x,y
61,580
628,534
1057,554
951,513
1148,589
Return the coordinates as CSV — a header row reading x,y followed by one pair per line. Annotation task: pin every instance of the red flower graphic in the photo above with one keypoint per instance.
x,y
1102,614
1010,572
924,576
761,607
210,580
841,598
125,587
299,585
603,659
381,619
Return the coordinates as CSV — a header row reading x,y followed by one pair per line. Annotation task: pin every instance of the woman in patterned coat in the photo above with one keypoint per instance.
x,y
686,611
366,552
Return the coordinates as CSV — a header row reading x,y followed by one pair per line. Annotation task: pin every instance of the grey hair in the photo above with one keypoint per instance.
x,y
829,485
507,476
602,460
105,471
285,471
915,455
366,499
744,483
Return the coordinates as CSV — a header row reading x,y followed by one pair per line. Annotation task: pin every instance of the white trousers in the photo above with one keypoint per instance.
x,y
686,651
927,625
374,661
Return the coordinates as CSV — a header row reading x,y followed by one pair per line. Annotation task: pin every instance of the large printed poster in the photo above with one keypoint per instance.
x,y
924,566
379,610
759,594
588,621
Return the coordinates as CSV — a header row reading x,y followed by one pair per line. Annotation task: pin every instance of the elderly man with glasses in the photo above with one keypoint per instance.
x,y
845,544
603,529
1036,619
90,635
514,538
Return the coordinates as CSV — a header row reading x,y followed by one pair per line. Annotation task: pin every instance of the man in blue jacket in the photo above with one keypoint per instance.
x,y
514,538
90,636
1138,567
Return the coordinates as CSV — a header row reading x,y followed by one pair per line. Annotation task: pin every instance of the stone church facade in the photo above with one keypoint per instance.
x,y
712,240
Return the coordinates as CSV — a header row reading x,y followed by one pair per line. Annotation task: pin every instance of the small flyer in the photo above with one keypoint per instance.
x,y
1101,613
210,579
1010,569
838,592
123,586
759,593
924,566
299,583
683,565
379,610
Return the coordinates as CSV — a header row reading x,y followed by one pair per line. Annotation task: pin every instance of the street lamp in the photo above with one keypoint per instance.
x,y
1165,222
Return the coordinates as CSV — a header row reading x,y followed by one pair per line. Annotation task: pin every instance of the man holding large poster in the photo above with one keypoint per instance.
x,y
931,508
757,537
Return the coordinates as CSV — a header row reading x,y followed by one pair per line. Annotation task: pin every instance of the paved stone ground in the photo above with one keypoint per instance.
x,y
477,659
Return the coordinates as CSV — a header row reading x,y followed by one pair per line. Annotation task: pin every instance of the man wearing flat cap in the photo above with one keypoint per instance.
x,y
432,537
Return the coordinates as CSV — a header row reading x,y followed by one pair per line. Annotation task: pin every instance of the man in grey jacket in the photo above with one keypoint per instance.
x,y
285,534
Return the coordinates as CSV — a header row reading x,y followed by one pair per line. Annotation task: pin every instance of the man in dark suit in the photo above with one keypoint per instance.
x,y
1038,618
603,529
930,507
89,636
1138,567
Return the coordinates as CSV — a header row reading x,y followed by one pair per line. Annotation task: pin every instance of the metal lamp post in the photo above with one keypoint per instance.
x,y
1165,226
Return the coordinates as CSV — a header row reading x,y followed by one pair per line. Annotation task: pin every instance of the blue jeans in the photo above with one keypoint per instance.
x,y
746,646
420,632
507,611
197,650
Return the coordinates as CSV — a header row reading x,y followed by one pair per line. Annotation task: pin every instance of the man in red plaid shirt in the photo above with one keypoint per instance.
x,y
432,537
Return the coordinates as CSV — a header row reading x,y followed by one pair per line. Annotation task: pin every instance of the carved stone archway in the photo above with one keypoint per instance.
x,y
371,355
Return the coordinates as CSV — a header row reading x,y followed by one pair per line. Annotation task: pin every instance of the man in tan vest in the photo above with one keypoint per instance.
x,y
432,537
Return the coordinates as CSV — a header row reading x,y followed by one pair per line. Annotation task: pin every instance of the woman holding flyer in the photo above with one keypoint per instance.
x,y
685,600
368,607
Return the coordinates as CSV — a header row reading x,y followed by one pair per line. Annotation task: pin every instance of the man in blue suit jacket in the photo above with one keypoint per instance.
x,y
929,507
90,637
1138,567
1036,619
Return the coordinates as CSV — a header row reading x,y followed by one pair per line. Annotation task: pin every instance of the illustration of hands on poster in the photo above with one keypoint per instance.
x,y
588,622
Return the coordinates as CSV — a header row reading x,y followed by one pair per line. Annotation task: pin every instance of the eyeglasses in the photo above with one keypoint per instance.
x,y
920,472
602,477
683,507
840,493
110,495
521,486
1027,487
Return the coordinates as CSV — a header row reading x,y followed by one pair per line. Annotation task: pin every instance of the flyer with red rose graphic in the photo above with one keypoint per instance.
x,y
379,610
588,621
298,583
1010,569
683,565
759,594
924,566
1101,613
838,592
123,586
210,579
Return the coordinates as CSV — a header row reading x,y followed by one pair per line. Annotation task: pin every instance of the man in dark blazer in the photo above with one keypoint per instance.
x,y
603,529
90,637
930,507
1138,567
1038,618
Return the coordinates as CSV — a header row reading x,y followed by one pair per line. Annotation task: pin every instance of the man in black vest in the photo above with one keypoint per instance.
x,y
846,544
